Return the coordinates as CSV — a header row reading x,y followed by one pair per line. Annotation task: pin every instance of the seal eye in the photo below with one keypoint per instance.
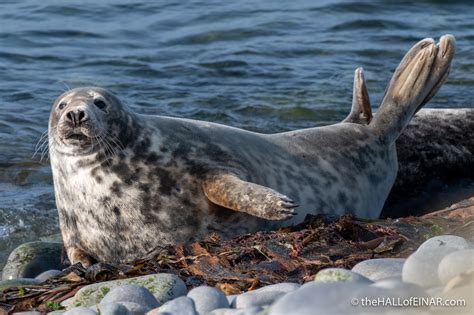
x,y
62,105
100,103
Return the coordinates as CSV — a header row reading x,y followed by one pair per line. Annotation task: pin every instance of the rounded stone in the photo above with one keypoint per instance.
x,y
163,286
283,287
30,259
253,310
380,268
231,299
455,264
325,298
251,299
131,293
264,296
207,299
399,289
113,309
421,268
46,275
340,274
80,311
182,306
67,302
18,283
134,308
441,241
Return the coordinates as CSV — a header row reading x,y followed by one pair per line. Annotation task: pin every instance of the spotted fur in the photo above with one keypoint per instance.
x,y
126,183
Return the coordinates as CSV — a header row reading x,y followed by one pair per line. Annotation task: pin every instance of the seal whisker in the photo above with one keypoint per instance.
x,y
65,85
43,136
40,148
108,151
118,144
41,143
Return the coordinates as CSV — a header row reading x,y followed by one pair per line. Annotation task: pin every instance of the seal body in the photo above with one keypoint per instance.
x,y
126,183
151,190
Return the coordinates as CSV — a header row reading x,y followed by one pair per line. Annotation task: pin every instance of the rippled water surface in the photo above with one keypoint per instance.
x,y
263,65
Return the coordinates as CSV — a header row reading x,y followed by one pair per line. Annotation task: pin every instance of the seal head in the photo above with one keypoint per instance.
x,y
84,121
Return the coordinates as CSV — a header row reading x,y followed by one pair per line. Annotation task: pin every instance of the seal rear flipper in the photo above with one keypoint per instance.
x,y
229,191
77,255
417,78
441,67
361,111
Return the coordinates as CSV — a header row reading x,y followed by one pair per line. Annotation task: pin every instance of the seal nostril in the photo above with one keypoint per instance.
x,y
76,117
81,116
72,117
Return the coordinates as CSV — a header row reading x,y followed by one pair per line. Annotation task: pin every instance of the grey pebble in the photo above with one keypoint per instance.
x,y
380,268
67,302
231,299
265,295
340,274
179,306
164,287
134,308
17,282
131,293
280,287
113,309
453,241
455,264
250,299
421,268
397,288
27,313
253,310
207,299
48,274
80,311
325,298
30,259
435,291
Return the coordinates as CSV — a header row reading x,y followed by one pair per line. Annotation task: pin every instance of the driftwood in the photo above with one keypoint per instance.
x,y
253,260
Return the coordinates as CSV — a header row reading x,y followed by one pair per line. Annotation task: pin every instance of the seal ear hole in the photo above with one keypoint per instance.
x,y
62,105
100,104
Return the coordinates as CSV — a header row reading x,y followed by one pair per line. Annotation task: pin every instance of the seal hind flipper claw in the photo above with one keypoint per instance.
x,y
229,191
361,111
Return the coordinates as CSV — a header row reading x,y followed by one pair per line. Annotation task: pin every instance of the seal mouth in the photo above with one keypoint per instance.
x,y
77,138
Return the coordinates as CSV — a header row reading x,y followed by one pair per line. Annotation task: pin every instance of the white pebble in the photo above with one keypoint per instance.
x,y
421,268
455,264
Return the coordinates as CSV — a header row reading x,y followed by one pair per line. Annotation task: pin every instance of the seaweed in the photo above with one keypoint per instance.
x,y
247,262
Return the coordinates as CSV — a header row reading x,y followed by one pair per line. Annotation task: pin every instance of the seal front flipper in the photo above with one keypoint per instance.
x,y
229,191
361,111
77,255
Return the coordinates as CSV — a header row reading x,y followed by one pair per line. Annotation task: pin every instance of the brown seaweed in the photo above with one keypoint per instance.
x,y
250,261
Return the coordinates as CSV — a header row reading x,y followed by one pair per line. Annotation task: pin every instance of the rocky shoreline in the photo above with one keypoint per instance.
x,y
327,266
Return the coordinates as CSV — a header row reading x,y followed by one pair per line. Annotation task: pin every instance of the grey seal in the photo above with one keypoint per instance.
x,y
127,183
